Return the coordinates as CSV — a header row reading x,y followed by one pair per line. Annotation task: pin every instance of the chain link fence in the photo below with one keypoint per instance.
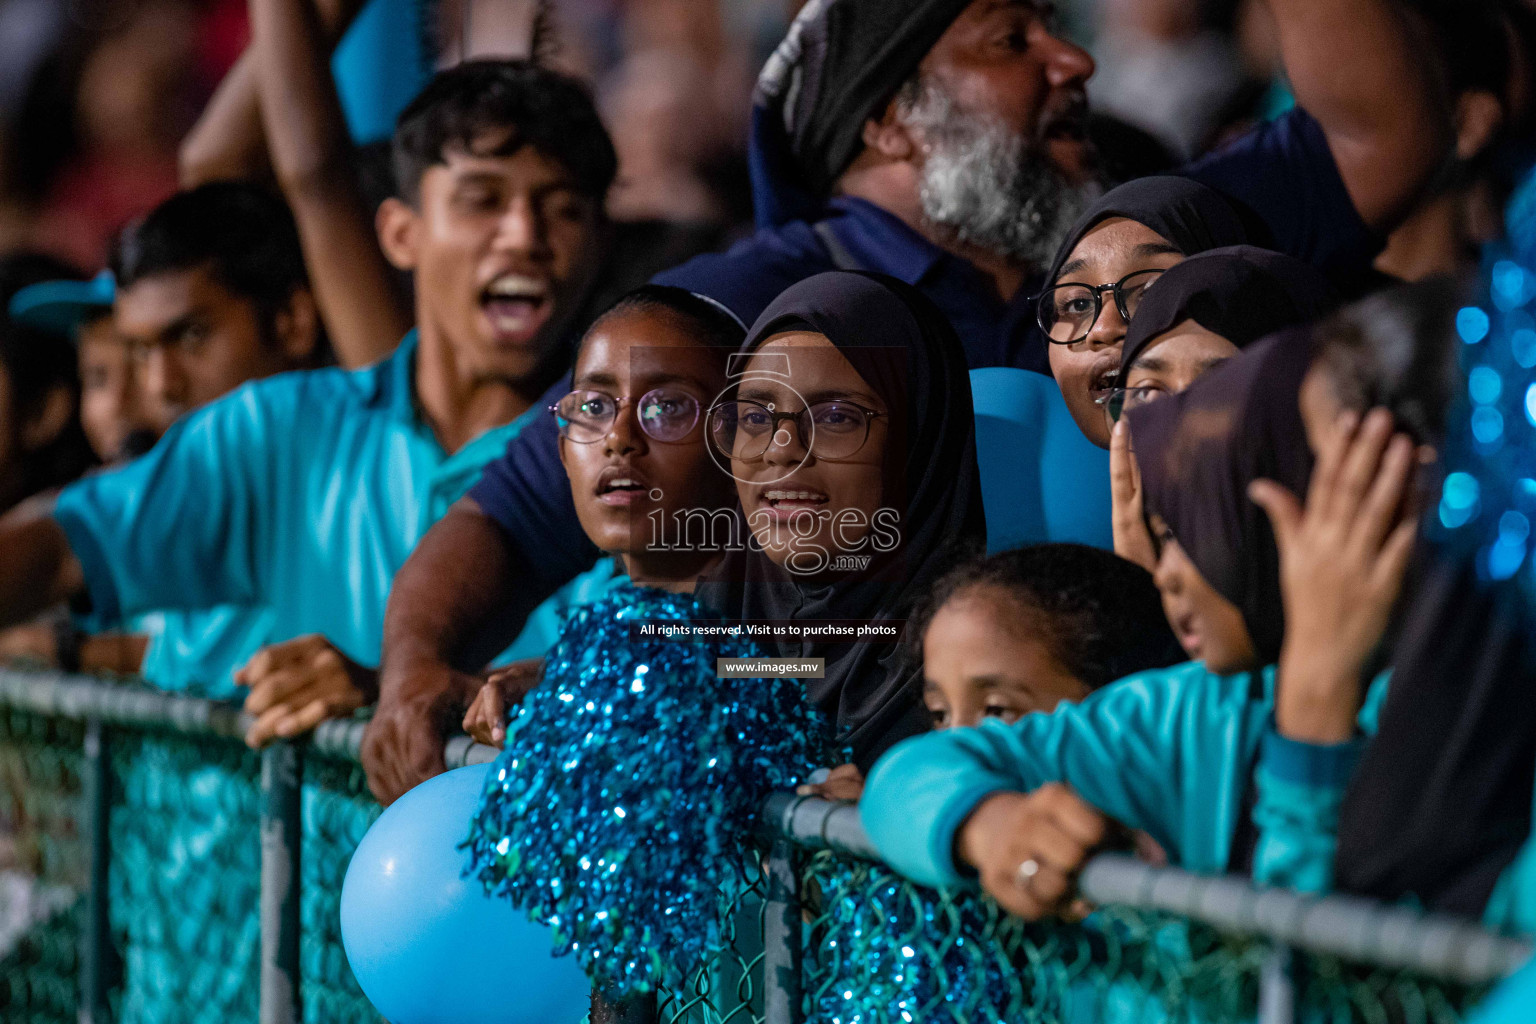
x,y
153,869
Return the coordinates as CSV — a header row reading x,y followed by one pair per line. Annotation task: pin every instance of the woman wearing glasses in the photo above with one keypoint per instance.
x,y
632,441
850,435
1110,257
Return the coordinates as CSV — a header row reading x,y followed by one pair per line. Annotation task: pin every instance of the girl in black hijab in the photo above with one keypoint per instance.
x,y
1114,251
1194,317
850,434
1209,308
1197,452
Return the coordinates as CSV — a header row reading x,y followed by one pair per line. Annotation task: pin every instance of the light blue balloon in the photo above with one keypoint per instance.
x,y
430,947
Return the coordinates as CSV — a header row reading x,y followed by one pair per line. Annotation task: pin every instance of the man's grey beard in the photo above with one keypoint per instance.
x,y
988,186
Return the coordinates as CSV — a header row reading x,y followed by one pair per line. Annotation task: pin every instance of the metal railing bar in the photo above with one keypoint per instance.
x,y
1349,927
281,923
782,937
818,824
78,698
1354,929
81,698
98,961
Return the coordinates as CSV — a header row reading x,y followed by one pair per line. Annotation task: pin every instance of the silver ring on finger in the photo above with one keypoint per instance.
x,y
1027,872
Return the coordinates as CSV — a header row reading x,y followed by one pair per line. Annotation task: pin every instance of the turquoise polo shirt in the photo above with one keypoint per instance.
x,y
297,497
197,652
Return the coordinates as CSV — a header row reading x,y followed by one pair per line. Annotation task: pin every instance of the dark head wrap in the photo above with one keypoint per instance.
x,y
907,352
1199,450
1441,803
1192,216
840,63
1239,292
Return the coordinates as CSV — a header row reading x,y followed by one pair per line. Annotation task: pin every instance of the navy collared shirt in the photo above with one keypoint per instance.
x,y
1281,177
752,273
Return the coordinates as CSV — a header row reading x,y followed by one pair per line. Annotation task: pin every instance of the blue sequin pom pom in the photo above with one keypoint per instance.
x,y
630,784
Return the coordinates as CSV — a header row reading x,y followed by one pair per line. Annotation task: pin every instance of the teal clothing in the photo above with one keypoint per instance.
x,y
1168,751
545,622
194,652
380,65
1513,1002
297,497
1512,904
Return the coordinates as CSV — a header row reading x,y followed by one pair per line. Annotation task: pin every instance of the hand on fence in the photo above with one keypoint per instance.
x,y
1133,542
1028,848
486,720
419,706
298,684
1342,560
845,782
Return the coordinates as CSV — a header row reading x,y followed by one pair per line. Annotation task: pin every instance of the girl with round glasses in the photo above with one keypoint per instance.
x,y
1111,259
632,437
633,447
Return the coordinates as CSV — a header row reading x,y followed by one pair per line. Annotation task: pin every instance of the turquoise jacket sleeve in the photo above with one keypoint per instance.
x,y
1167,751
1512,905
181,527
1299,789
1511,1002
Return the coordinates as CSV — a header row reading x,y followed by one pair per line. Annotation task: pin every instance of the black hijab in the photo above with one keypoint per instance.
x,y
1441,802
838,66
1199,450
909,355
1194,217
1240,292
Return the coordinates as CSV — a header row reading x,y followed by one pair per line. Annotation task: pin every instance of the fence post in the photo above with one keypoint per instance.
x,y
1277,987
782,938
98,967
281,770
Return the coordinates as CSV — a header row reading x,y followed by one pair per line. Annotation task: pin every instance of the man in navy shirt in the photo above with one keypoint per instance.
x,y
940,142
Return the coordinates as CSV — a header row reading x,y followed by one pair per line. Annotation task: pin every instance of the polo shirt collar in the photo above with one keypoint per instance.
x,y
392,382
883,241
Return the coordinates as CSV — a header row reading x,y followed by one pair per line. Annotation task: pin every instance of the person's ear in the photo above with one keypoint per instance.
x,y
298,327
890,138
1479,118
52,415
399,228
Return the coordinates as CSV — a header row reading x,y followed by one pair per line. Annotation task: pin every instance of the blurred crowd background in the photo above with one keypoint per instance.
x,y
99,98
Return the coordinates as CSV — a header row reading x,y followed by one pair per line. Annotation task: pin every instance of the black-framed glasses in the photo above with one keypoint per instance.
x,y
1067,312
1118,401
834,430
665,414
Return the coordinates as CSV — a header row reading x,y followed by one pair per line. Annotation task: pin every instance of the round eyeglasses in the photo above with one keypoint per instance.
x,y
665,414
1067,312
1118,401
744,430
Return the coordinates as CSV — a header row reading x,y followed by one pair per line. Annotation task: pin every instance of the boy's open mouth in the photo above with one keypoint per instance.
x,y
517,306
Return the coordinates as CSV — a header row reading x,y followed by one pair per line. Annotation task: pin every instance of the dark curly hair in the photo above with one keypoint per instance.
x,y
1099,615
507,104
